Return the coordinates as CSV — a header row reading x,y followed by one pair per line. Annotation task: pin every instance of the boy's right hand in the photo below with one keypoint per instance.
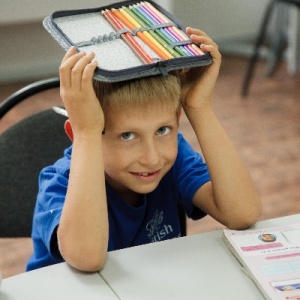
x,y
77,92
198,83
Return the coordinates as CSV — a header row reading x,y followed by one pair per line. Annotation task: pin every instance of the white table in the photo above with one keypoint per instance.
x,y
57,282
194,267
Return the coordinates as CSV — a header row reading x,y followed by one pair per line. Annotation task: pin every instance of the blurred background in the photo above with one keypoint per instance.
x,y
264,126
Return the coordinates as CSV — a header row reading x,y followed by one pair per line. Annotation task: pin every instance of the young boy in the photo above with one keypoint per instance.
x,y
120,182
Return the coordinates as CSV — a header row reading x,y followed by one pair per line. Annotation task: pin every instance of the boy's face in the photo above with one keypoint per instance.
x,y
139,148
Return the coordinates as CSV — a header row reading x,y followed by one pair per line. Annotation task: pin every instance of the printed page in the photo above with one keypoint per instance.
x,y
271,257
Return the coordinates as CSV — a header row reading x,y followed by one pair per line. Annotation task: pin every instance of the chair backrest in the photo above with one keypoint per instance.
x,y
27,91
25,148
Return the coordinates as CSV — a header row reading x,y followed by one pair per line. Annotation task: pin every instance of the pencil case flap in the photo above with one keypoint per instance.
x,y
88,30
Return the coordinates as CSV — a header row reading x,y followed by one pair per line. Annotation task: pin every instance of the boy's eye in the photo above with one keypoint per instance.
x,y
163,130
127,136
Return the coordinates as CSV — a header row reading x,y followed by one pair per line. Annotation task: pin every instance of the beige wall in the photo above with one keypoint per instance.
x,y
222,19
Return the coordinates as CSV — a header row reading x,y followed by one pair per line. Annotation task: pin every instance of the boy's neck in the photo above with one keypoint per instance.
x,y
131,198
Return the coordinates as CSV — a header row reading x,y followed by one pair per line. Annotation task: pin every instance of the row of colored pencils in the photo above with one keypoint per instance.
x,y
167,41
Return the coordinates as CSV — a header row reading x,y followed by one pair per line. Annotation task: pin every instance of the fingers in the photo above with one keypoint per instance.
x,y
69,53
190,31
200,37
79,69
76,67
88,73
67,64
206,43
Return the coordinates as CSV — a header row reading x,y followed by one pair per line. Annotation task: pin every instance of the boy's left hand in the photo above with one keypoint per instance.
x,y
198,83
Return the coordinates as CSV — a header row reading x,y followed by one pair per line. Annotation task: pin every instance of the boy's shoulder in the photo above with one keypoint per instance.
x,y
184,147
61,166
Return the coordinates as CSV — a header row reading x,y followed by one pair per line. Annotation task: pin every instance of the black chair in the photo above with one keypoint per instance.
x,y
27,91
25,148
279,46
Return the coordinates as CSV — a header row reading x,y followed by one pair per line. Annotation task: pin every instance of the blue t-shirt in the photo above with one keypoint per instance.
x,y
155,219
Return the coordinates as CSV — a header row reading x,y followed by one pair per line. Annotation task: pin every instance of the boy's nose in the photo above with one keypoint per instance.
x,y
150,155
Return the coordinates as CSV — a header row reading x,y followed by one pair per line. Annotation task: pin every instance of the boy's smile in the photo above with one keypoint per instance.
x,y
139,148
147,176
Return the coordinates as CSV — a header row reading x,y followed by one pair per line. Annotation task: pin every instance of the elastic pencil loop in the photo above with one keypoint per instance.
x,y
106,38
138,29
121,31
98,40
180,43
161,25
83,44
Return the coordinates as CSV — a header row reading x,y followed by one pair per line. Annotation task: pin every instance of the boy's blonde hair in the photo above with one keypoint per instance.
x,y
153,92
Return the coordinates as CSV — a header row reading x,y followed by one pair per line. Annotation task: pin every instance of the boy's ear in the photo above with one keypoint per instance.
x,y
68,130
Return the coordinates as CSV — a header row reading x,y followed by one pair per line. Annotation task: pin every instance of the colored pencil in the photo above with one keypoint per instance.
x,y
150,21
144,21
169,32
160,19
141,35
161,40
178,37
136,25
127,37
163,19
192,46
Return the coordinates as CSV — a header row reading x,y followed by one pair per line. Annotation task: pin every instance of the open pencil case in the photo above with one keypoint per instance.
x,y
124,38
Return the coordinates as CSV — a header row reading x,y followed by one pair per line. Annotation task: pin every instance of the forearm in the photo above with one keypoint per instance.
x,y
236,202
230,197
83,229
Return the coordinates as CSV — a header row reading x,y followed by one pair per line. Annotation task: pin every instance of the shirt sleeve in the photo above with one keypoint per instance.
x,y
191,173
53,182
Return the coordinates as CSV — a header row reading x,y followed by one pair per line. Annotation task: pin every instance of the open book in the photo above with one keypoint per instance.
x,y
271,257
